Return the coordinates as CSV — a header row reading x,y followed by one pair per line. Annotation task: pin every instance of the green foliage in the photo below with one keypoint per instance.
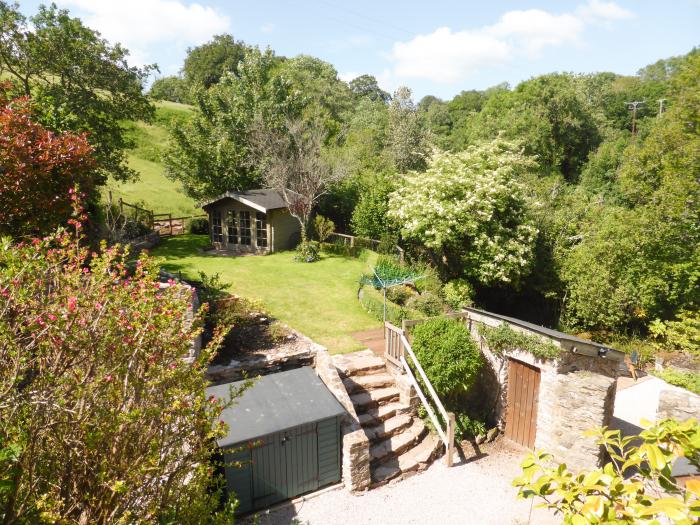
x,y
503,338
682,335
207,63
199,226
448,354
682,378
367,86
475,211
373,302
211,153
79,81
635,487
427,303
407,139
323,227
458,293
102,421
468,427
172,88
369,218
307,251
638,260
400,294
389,272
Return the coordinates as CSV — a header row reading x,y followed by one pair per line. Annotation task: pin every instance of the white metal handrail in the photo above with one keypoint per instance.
x,y
447,435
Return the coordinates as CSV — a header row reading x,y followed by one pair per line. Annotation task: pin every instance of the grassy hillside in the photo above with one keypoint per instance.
x,y
153,189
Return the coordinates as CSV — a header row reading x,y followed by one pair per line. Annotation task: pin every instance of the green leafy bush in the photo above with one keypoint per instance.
x,y
688,380
373,302
469,427
429,281
400,294
427,303
307,251
682,335
323,227
448,354
199,226
458,293
503,337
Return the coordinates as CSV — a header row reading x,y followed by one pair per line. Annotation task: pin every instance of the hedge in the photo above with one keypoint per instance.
x,y
373,301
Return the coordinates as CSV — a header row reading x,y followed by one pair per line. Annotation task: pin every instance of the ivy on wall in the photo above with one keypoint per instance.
x,y
503,337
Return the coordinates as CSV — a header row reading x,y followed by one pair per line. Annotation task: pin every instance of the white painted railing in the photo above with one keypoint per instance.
x,y
397,350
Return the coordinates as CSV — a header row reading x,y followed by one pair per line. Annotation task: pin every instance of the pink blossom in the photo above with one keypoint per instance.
x,y
71,303
108,379
51,316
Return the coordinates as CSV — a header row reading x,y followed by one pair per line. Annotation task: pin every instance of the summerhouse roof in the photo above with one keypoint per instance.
x,y
262,200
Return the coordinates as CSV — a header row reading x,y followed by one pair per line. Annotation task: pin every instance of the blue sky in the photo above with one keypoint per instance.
x,y
437,47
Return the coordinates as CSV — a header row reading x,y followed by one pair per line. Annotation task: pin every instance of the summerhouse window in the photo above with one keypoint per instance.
x,y
244,224
232,227
261,229
216,232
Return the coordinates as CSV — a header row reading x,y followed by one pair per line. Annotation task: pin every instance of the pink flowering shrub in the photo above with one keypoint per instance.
x,y
100,419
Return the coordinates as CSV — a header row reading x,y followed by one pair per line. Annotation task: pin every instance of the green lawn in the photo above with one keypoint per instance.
x,y
318,299
153,189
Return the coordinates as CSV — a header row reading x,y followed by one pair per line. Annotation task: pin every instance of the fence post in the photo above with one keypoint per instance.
x,y
170,221
121,207
451,423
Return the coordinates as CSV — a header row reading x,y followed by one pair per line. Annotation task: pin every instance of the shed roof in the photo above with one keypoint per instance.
x,y
553,334
275,402
261,200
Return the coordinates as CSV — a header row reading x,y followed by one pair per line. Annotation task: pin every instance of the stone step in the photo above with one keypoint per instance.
x,y
368,382
358,363
388,428
377,397
413,460
395,445
376,415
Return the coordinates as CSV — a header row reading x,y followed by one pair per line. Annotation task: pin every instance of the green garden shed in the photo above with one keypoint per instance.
x,y
285,432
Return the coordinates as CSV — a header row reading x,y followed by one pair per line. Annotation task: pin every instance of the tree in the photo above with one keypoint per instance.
x,y
468,208
637,259
294,162
367,86
39,168
172,88
549,116
408,141
78,80
369,218
211,153
206,64
101,419
636,486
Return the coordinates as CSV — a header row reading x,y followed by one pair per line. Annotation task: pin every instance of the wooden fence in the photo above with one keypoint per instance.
x,y
399,352
363,242
167,225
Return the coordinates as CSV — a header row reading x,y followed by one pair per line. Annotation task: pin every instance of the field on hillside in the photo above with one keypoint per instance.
x,y
153,189
317,299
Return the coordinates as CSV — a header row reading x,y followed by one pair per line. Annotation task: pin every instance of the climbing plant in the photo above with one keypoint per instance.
x,y
503,337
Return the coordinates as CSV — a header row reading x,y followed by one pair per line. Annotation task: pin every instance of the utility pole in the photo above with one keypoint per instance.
x,y
661,105
633,107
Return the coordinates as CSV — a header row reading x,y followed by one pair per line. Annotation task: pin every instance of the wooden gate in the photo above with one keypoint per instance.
x,y
521,414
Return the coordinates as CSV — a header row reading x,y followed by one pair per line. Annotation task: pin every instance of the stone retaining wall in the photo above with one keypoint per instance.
x,y
355,468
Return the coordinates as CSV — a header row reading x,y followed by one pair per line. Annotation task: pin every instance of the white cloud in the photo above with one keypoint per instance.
x,y
603,11
139,24
445,56
267,28
449,56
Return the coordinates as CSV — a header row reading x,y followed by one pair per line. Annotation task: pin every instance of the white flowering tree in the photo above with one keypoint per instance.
x,y
469,207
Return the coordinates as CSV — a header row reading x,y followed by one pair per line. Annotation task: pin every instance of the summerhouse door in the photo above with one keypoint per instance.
x,y
521,413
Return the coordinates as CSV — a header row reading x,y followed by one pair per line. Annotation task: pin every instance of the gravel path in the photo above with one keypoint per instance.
x,y
477,492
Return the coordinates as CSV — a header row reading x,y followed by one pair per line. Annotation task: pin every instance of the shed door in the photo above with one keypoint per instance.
x,y
285,465
521,414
